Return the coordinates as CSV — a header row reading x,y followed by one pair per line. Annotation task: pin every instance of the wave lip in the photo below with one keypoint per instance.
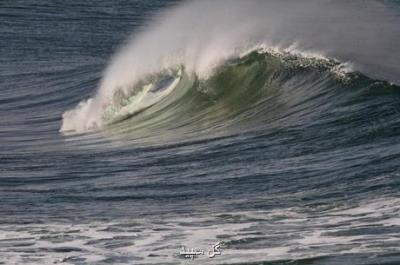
x,y
259,90
201,46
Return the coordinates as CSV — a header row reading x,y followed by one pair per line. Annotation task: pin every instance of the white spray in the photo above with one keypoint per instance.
x,y
203,34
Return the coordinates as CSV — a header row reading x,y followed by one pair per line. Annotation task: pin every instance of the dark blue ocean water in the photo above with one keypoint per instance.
x,y
317,181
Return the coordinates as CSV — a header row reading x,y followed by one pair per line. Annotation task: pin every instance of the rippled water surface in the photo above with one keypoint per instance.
x,y
285,158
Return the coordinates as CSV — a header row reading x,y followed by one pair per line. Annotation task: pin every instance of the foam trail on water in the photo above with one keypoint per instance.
x,y
203,34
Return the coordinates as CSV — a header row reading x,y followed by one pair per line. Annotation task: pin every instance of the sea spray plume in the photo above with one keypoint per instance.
x,y
201,35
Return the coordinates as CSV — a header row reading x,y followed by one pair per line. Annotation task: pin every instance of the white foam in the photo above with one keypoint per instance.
x,y
202,34
303,234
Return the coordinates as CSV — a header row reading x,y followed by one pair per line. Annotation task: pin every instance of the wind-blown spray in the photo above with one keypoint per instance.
x,y
202,35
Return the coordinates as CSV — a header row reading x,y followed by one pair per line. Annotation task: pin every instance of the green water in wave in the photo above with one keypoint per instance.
x,y
244,94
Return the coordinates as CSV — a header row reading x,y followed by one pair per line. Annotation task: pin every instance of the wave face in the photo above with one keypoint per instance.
x,y
273,126
255,92
347,32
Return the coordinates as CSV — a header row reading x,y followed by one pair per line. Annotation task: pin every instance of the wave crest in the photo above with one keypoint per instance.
x,y
182,37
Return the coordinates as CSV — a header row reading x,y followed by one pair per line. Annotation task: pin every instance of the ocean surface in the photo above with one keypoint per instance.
x,y
133,132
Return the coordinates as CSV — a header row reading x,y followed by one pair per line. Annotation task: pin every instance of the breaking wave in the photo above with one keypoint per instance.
x,y
183,75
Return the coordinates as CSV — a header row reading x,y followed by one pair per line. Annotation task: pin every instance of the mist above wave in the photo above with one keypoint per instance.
x,y
203,34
